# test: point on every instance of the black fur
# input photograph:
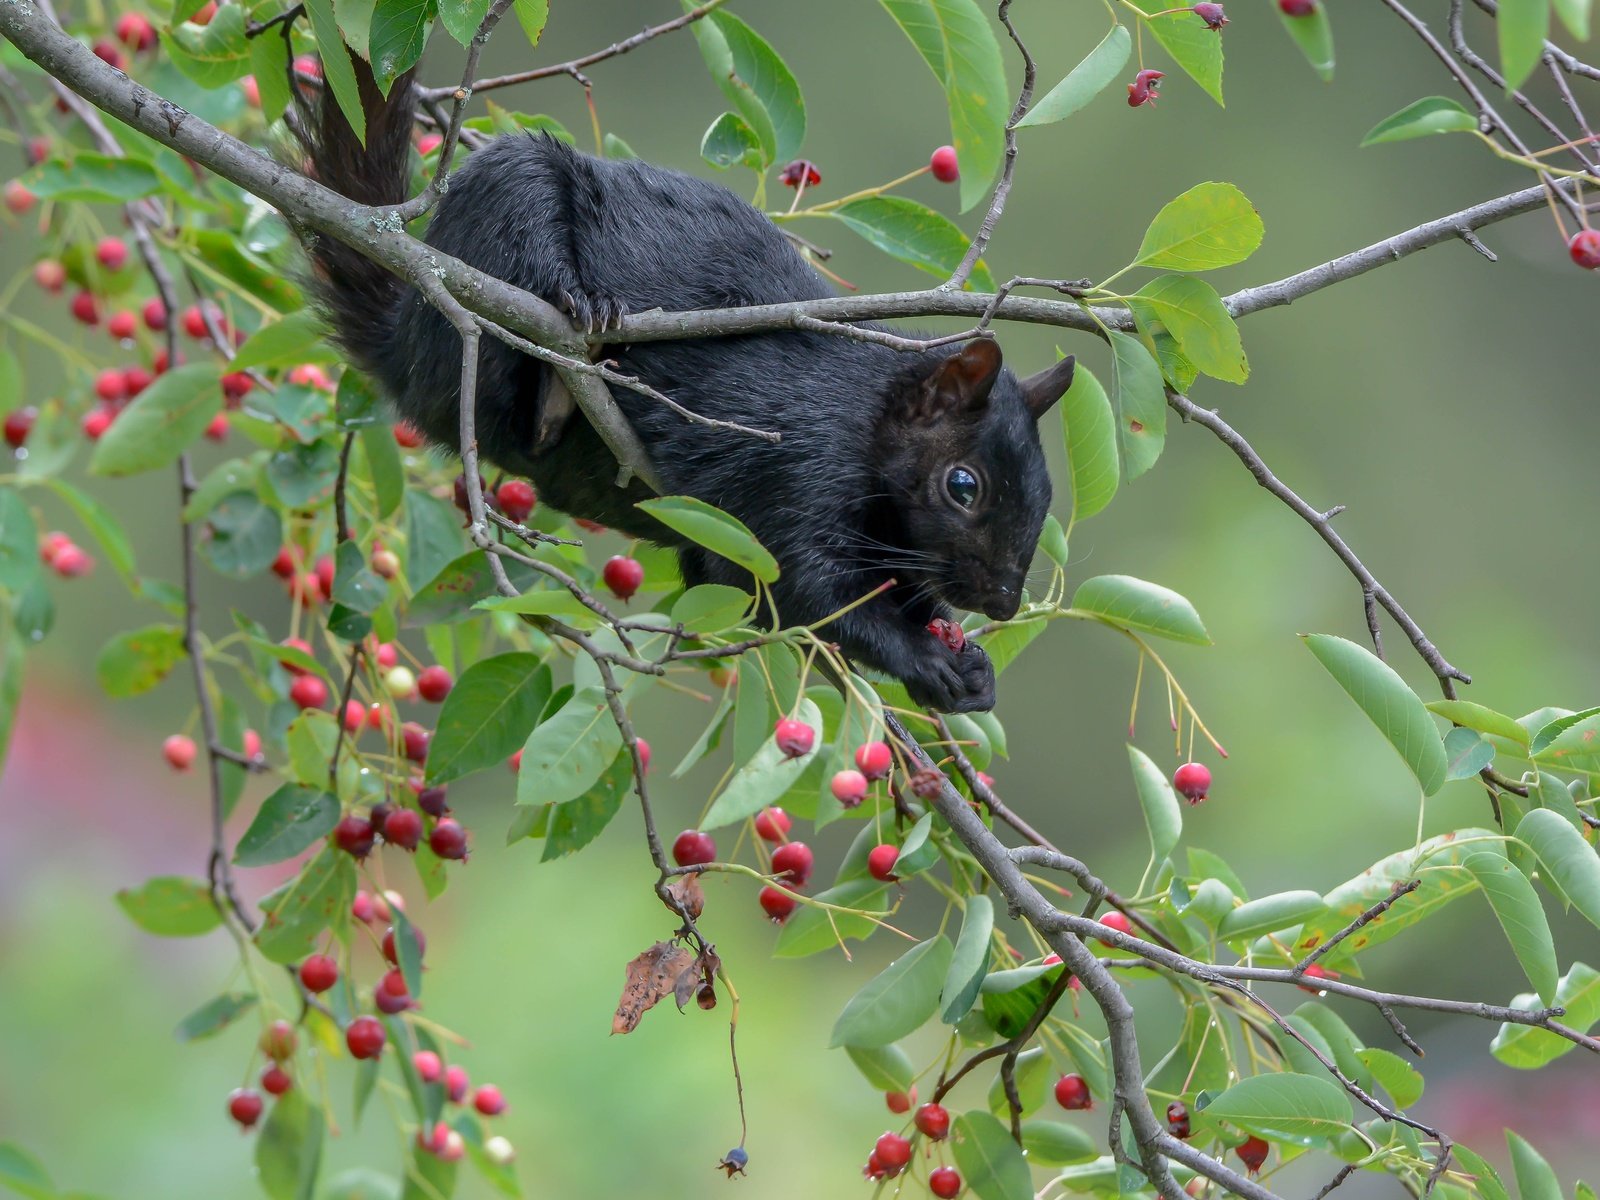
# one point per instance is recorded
(856, 493)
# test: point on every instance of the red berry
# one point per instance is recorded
(874, 760)
(1315, 971)
(416, 740)
(390, 951)
(71, 562)
(217, 429)
(880, 862)
(893, 1151)
(393, 983)
(849, 788)
(85, 308)
(325, 575)
(772, 824)
(623, 576)
(135, 31)
(275, 1080)
(386, 563)
(403, 828)
(434, 684)
(431, 800)
(776, 904)
(110, 386)
(1585, 249)
(155, 315)
(19, 424)
(1178, 1120)
(50, 275)
(791, 862)
(194, 322)
(429, 1068)
(179, 751)
(354, 835)
(448, 840)
(308, 691)
(278, 1041)
(407, 435)
(1118, 921)
(252, 743)
(18, 198)
(1252, 1152)
(1297, 8)
(206, 12)
(1143, 89)
(355, 717)
(38, 150)
(319, 973)
(136, 379)
(1192, 781)
(307, 64)
(794, 738)
(900, 1102)
(312, 376)
(944, 1182)
(644, 754)
(456, 1084)
(874, 1169)
(108, 53)
(691, 848)
(293, 643)
(800, 171)
(122, 324)
(948, 632)
(488, 1100)
(516, 498)
(365, 1037)
(1211, 14)
(944, 165)
(428, 143)
(933, 1121)
(388, 657)
(1072, 1092)
(244, 1106)
(112, 253)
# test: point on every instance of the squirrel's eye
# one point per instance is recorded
(962, 485)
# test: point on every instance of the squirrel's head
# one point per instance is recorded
(960, 453)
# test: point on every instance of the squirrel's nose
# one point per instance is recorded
(1002, 602)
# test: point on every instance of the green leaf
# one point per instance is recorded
(171, 906)
(1271, 913)
(1466, 753)
(294, 916)
(1140, 401)
(729, 142)
(354, 585)
(1085, 81)
(287, 341)
(913, 233)
(1392, 706)
(1536, 1179)
(1526, 1047)
(336, 66)
(1054, 1144)
(1402, 1081)
(1193, 47)
(1287, 1103)
(19, 542)
(532, 15)
(461, 18)
(810, 930)
(1434, 114)
(245, 536)
(1193, 313)
(97, 519)
(615, 147)
(1517, 908)
(576, 823)
(383, 464)
(1053, 538)
(712, 608)
(1574, 15)
(289, 820)
(269, 63)
(95, 178)
(1163, 815)
(1552, 732)
(408, 950)
(214, 54)
(969, 962)
(311, 737)
(160, 423)
(488, 715)
(958, 44)
(1008, 641)
(887, 1068)
(1032, 1080)
(214, 1015)
(917, 853)
(714, 529)
(132, 663)
(1090, 430)
(897, 1001)
(289, 1147)
(1487, 1179)
(992, 1164)
(1313, 33)
(399, 33)
(1136, 604)
(756, 81)
(566, 754)
(1571, 861)
(24, 1174)
(764, 779)
(1211, 225)
(1523, 26)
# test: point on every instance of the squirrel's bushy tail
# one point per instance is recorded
(359, 297)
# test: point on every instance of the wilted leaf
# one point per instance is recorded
(650, 976)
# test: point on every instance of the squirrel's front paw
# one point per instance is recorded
(977, 678)
(953, 681)
(593, 312)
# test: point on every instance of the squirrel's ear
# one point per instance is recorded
(1041, 391)
(958, 386)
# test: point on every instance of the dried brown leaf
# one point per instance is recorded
(688, 894)
(652, 975)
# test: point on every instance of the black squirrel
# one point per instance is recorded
(922, 466)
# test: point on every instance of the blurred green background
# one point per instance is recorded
(1450, 403)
